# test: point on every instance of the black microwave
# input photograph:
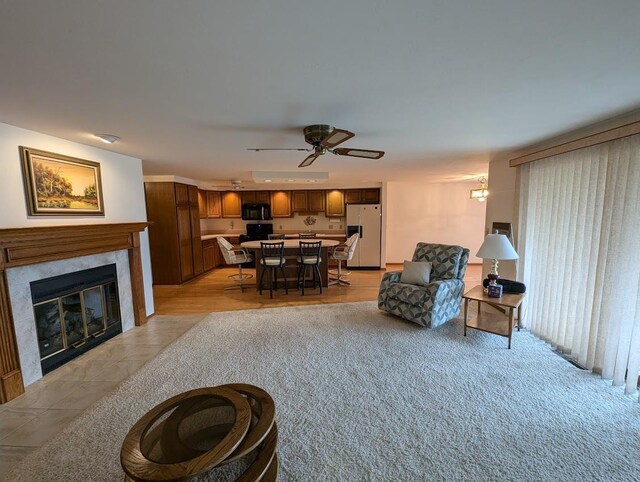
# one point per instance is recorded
(256, 212)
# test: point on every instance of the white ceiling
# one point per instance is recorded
(440, 85)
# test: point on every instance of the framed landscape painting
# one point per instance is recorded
(57, 185)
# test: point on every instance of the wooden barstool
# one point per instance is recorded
(272, 256)
(309, 257)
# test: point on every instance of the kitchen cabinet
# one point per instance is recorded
(316, 201)
(214, 204)
(231, 204)
(334, 206)
(196, 242)
(202, 203)
(281, 204)
(356, 196)
(174, 233)
(299, 202)
(255, 197)
(371, 196)
(211, 255)
(307, 201)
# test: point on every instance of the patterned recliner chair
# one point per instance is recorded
(440, 300)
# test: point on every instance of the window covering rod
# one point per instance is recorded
(626, 130)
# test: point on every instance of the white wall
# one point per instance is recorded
(122, 185)
(434, 213)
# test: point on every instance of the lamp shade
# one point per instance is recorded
(497, 246)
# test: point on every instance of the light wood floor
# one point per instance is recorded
(54, 401)
(207, 294)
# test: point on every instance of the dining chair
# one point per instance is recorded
(237, 256)
(272, 258)
(276, 236)
(307, 235)
(309, 257)
(343, 252)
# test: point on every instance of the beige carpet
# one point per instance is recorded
(364, 396)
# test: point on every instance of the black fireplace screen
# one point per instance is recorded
(74, 313)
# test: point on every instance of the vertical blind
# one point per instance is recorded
(579, 242)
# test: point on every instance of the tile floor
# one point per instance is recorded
(52, 402)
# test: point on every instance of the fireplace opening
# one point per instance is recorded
(74, 313)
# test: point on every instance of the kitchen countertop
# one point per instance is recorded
(318, 235)
(205, 237)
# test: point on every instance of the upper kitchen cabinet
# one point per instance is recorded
(334, 203)
(371, 196)
(231, 204)
(255, 197)
(307, 201)
(281, 204)
(299, 202)
(354, 196)
(316, 201)
(214, 204)
(202, 203)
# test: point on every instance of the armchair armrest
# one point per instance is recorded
(339, 248)
(441, 288)
(388, 279)
(391, 277)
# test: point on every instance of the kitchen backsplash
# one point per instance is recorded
(295, 223)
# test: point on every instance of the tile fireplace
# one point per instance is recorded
(75, 318)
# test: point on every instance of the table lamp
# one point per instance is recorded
(496, 247)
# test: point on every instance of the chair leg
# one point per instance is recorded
(241, 279)
(284, 277)
(317, 270)
(264, 268)
(298, 280)
(338, 273)
(304, 275)
(271, 284)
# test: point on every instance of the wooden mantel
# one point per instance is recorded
(24, 246)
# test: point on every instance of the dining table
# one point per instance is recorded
(291, 252)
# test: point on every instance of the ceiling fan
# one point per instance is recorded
(325, 138)
(235, 184)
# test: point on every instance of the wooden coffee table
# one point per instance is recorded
(496, 323)
(196, 431)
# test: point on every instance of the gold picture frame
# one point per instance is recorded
(57, 185)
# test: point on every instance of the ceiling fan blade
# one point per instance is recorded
(257, 149)
(309, 160)
(359, 153)
(337, 136)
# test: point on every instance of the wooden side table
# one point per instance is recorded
(496, 323)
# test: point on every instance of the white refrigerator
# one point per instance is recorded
(366, 220)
